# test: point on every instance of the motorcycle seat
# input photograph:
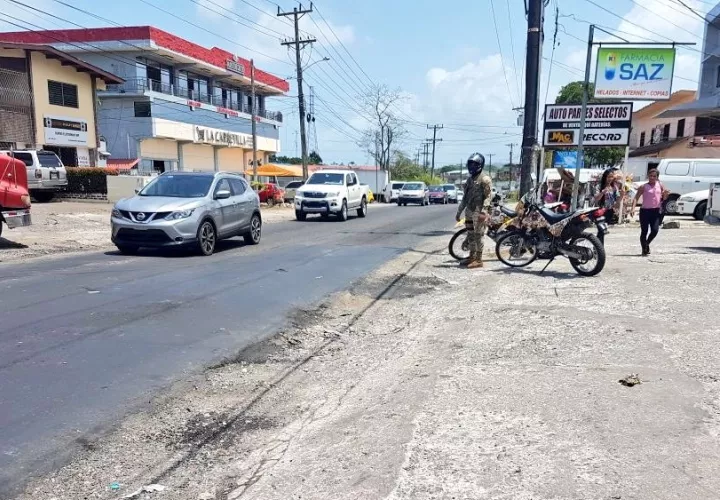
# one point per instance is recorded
(508, 212)
(552, 217)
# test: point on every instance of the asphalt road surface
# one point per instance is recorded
(88, 338)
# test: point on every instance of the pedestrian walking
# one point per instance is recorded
(609, 196)
(476, 204)
(651, 215)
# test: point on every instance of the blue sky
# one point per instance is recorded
(444, 56)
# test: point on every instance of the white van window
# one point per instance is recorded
(707, 169)
(678, 168)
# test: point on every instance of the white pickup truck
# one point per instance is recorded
(331, 192)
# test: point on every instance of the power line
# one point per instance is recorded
(502, 59)
(512, 48)
(681, 2)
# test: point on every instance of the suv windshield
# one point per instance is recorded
(330, 179)
(49, 160)
(398, 185)
(413, 186)
(448, 187)
(436, 189)
(179, 186)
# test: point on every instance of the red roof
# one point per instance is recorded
(215, 56)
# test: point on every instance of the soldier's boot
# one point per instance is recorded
(476, 264)
(465, 262)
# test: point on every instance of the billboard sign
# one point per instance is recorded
(565, 159)
(605, 125)
(638, 73)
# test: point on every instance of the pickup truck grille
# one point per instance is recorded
(314, 194)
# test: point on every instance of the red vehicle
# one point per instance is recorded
(270, 193)
(14, 195)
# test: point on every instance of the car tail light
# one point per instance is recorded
(38, 173)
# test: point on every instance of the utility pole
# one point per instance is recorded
(426, 153)
(490, 166)
(297, 13)
(434, 140)
(535, 14)
(253, 111)
(511, 146)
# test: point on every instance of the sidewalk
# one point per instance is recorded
(431, 382)
(76, 226)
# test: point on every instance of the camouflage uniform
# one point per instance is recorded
(476, 200)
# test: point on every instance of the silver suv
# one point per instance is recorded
(187, 209)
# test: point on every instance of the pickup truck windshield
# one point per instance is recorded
(328, 179)
(179, 186)
(412, 187)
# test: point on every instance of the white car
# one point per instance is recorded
(414, 192)
(46, 174)
(331, 192)
(392, 190)
(452, 192)
(694, 204)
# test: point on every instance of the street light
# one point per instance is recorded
(310, 66)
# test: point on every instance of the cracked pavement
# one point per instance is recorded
(424, 381)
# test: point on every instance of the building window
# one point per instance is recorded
(142, 109)
(681, 128)
(63, 94)
(642, 139)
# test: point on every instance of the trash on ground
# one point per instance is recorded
(673, 224)
(631, 380)
(114, 486)
(150, 488)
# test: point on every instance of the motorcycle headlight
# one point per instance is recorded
(180, 214)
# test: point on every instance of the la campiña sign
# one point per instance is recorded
(634, 73)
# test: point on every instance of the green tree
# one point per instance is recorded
(314, 158)
(572, 93)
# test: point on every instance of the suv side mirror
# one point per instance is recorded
(223, 194)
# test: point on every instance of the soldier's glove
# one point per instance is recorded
(457, 217)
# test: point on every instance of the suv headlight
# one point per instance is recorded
(180, 214)
(687, 198)
(334, 194)
(116, 213)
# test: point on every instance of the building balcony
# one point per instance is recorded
(141, 86)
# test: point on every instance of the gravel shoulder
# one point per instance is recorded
(424, 381)
(71, 226)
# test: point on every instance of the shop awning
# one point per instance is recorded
(122, 163)
(274, 170)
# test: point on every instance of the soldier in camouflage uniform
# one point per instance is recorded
(476, 204)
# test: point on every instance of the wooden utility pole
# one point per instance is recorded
(434, 140)
(535, 13)
(297, 14)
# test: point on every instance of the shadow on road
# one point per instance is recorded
(714, 250)
(7, 244)
(180, 252)
(548, 272)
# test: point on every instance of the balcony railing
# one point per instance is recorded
(142, 85)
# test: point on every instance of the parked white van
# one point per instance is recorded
(683, 176)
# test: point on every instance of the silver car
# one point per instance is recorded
(187, 209)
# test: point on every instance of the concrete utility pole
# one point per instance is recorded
(297, 14)
(253, 111)
(434, 140)
(535, 14)
(512, 147)
(490, 165)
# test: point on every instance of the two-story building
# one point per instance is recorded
(47, 101)
(662, 137)
(181, 106)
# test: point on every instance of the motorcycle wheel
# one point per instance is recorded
(458, 246)
(595, 264)
(515, 250)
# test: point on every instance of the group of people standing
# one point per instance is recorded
(610, 195)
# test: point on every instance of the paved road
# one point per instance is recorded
(87, 338)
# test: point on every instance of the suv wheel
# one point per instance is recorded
(300, 215)
(127, 249)
(207, 238)
(43, 196)
(253, 237)
(343, 215)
